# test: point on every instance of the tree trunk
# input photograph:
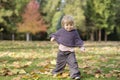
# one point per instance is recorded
(1, 36)
(99, 35)
(96, 35)
(92, 36)
(105, 36)
(27, 36)
(13, 36)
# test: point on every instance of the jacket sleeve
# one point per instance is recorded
(56, 34)
(78, 40)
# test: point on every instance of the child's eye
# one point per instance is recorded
(67, 25)
(71, 25)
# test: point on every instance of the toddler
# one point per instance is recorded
(68, 38)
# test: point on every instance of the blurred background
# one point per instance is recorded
(33, 20)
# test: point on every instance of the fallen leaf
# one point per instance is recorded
(17, 78)
(15, 71)
(65, 75)
(98, 72)
(108, 75)
(22, 71)
(97, 75)
(16, 64)
(53, 62)
(6, 71)
(35, 76)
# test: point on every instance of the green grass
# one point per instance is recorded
(35, 60)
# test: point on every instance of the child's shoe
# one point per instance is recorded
(76, 78)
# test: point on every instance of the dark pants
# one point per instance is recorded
(63, 58)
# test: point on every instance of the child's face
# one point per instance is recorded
(68, 27)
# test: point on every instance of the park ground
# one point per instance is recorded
(34, 60)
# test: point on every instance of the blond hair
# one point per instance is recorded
(67, 19)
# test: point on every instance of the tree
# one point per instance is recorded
(9, 14)
(55, 22)
(102, 15)
(90, 14)
(32, 20)
(117, 18)
(4, 13)
(50, 11)
(106, 17)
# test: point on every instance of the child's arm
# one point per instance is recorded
(79, 42)
(55, 36)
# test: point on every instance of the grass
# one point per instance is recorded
(20, 60)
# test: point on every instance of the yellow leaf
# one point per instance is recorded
(22, 71)
(17, 78)
(64, 75)
(35, 76)
(57, 75)
(16, 64)
(53, 62)
(15, 71)
(97, 75)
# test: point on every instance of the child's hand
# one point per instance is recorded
(82, 49)
(52, 39)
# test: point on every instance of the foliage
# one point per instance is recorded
(55, 22)
(49, 8)
(106, 14)
(32, 20)
(51, 14)
(100, 14)
(117, 21)
(9, 13)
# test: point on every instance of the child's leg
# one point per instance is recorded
(73, 65)
(61, 62)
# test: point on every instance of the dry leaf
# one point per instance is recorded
(35, 76)
(65, 75)
(16, 64)
(15, 71)
(108, 75)
(97, 75)
(57, 75)
(22, 71)
(98, 72)
(53, 62)
(17, 78)
(6, 71)
(26, 76)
